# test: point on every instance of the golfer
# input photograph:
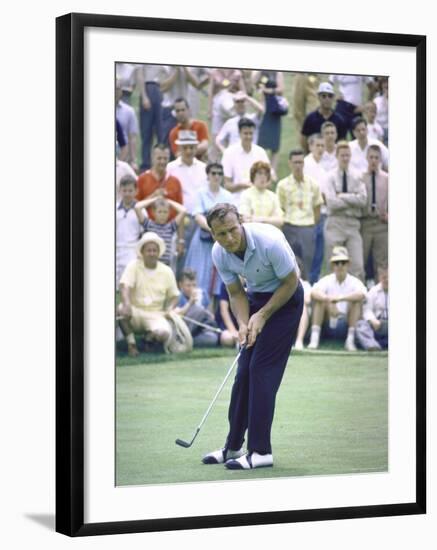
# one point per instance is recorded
(268, 316)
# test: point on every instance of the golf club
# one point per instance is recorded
(190, 320)
(185, 444)
(203, 325)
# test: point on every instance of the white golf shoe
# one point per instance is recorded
(250, 461)
(221, 456)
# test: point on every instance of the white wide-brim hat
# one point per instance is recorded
(150, 237)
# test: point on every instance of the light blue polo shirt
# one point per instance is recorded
(267, 260)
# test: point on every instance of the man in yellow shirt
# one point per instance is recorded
(300, 198)
(148, 292)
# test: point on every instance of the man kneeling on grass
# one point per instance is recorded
(337, 302)
(148, 292)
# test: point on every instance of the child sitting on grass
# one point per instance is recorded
(193, 305)
(161, 226)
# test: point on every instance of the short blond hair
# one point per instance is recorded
(343, 144)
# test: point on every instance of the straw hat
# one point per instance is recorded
(150, 237)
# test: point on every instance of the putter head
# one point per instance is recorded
(182, 443)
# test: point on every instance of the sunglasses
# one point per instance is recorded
(326, 95)
(216, 173)
(340, 262)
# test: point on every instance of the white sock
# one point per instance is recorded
(315, 335)
(351, 334)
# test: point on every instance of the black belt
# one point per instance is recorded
(152, 82)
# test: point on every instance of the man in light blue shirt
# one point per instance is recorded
(268, 316)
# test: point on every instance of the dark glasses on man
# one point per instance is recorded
(340, 262)
(213, 173)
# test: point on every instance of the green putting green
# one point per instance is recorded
(331, 416)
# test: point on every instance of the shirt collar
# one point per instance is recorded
(250, 245)
(122, 207)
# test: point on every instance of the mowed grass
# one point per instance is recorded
(331, 418)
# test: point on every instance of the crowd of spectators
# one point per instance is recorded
(331, 203)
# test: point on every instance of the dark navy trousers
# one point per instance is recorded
(259, 375)
(150, 123)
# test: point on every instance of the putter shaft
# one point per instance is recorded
(183, 443)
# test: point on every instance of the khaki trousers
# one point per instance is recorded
(375, 239)
(345, 231)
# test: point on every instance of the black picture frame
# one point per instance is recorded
(70, 241)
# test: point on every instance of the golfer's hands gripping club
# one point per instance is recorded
(248, 334)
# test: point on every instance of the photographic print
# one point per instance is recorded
(239, 208)
(277, 146)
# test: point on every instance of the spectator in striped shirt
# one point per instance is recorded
(161, 225)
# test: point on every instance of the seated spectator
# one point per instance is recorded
(161, 224)
(127, 228)
(337, 301)
(186, 122)
(372, 331)
(192, 306)
(224, 317)
(148, 293)
(374, 129)
(258, 203)
(306, 312)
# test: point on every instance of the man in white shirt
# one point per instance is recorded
(360, 145)
(191, 172)
(314, 168)
(337, 301)
(329, 157)
(372, 330)
(238, 159)
(175, 86)
(128, 120)
(229, 133)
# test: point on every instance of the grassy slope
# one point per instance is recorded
(331, 418)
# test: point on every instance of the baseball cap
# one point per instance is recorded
(325, 88)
